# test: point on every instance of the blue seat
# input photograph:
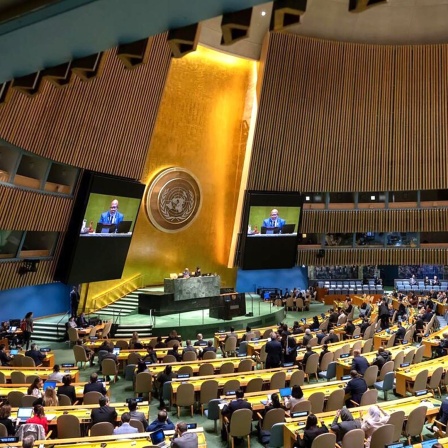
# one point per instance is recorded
(129, 372)
(276, 440)
(212, 411)
(387, 384)
(330, 373)
(242, 349)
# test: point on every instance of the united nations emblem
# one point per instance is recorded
(173, 200)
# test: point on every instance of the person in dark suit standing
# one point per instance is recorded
(74, 301)
(383, 313)
(273, 352)
(94, 385)
(234, 405)
(400, 333)
(112, 216)
(104, 413)
(355, 388)
(359, 364)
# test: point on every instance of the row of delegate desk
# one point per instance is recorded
(292, 427)
(138, 440)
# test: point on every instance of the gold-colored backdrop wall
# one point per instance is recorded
(200, 128)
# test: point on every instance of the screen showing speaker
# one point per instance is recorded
(271, 222)
(100, 230)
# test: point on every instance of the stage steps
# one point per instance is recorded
(48, 331)
(122, 307)
(125, 331)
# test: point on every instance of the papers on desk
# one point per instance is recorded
(50, 417)
(222, 404)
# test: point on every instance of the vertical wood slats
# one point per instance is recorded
(9, 278)
(30, 210)
(350, 117)
(361, 257)
(104, 124)
(349, 221)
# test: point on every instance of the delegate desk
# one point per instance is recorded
(256, 399)
(79, 388)
(41, 372)
(155, 369)
(243, 378)
(381, 338)
(88, 330)
(409, 373)
(331, 347)
(431, 342)
(48, 361)
(403, 404)
(83, 412)
(135, 440)
(221, 336)
(343, 365)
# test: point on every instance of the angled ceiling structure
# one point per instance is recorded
(37, 34)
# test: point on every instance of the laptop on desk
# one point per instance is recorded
(288, 228)
(24, 413)
(124, 226)
(158, 439)
(270, 230)
(105, 228)
(48, 384)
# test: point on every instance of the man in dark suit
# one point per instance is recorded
(234, 405)
(274, 220)
(209, 348)
(359, 364)
(355, 388)
(82, 322)
(36, 354)
(74, 301)
(273, 352)
(308, 353)
(94, 385)
(104, 413)
(349, 329)
(400, 333)
(113, 216)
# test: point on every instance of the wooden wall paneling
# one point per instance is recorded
(339, 221)
(104, 124)
(372, 118)
(22, 209)
(373, 257)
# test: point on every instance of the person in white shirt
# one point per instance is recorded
(57, 375)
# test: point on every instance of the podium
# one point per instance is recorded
(226, 306)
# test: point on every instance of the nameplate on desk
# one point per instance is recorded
(9, 439)
(345, 377)
(299, 414)
(136, 399)
(344, 355)
(405, 364)
(419, 393)
(68, 365)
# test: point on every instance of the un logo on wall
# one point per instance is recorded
(173, 200)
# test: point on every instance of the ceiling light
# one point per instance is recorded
(372, 198)
(263, 13)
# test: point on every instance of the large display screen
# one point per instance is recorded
(271, 222)
(100, 230)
